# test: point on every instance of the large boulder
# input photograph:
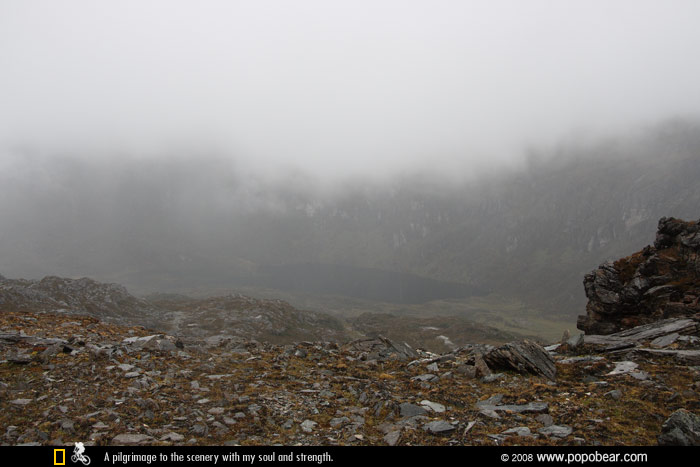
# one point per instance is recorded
(524, 357)
(660, 281)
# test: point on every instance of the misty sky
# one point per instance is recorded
(339, 87)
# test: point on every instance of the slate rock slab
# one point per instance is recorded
(439, 427)
(524, 357)
(556, 431)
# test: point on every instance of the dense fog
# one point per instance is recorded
(489, 147)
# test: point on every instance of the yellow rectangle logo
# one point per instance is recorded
(56, 456)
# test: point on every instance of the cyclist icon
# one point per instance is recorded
(78, 454)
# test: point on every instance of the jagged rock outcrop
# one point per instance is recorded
(223, 319)
(523, 357)
(681, 429)
(111, 302)
(661, 281)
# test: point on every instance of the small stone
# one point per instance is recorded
(130, 439)
(336, 422)
(433, 367)
(482, 369)
(640, 375)
(21, 402)
(174, 437)
(565, 337)
(615, 394)
(664, 341)
(622, 368)
(470, 425)
(545, 419)
(492, 377)
(67, 425)
(556, 431)
(439, 427)
(408, 410)
(425, 377)
(518, 431)
(490, 413)
(575, 341)
(392, 438)
(308, 426)
(493, 400)
(434, 406)
(468, 371)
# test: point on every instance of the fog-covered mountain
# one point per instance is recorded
(530, 233)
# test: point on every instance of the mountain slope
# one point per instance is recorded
(529, 233)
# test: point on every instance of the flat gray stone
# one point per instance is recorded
(686, 357)
(651, 331)
(490, 413)
(584, 359)
(336, 422)
(21, 402)
(434, 406)
(424, 377)
(575, 341)
(664, 341)
(129, 439)
(408, 410)
(492, 377)
(439, 427)
(518, 431)
(545, 419)
(308, 426)
(392, 438)
(556, 431)
(172, 436)
(530, 407)
(622, 368)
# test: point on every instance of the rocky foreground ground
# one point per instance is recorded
(67, 378)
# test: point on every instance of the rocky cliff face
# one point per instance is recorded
(661, 281)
